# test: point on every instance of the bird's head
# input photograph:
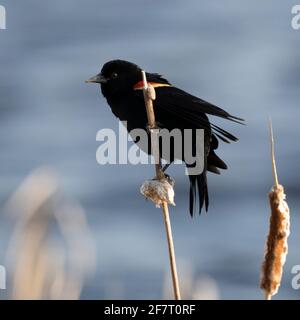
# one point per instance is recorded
(117, 77)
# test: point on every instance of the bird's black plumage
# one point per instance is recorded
(174, 108)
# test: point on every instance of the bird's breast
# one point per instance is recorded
(131, 110)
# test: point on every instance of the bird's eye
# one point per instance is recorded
(114, 75)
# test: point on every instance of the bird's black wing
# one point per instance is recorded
(175, 105)
(192, 109)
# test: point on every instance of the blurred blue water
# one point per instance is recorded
(241, 56)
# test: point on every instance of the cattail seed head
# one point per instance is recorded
(276, 246)
(158, 191)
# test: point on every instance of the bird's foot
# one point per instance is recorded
(157, 126)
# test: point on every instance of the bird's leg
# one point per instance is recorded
(160, 174)
(165, 167)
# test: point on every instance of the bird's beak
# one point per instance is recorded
(97, 79)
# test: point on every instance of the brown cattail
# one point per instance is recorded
(276, 246)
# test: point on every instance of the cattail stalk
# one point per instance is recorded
(149, 96)
(276, 246)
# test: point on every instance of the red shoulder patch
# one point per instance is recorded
(140, 85)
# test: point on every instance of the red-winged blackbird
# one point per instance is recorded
(174, 108)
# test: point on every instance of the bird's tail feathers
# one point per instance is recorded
(198, 184)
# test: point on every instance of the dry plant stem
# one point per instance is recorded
(171, 251)
(149, 96)
(273, 155)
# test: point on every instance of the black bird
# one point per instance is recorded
(121, 82)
